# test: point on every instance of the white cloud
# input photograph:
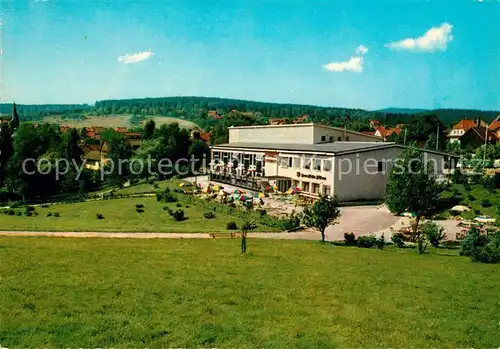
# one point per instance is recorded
(355, 64)
(135, 57)
(361, 50)
(436, 38)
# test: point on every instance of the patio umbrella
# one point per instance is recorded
(239, 191)
(260, 195)
(244, 198)
(206, 190)
(485, 219)
(223, 193)
(293, 190)
(460, 208)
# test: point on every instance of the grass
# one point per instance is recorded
(479, 193)
(113, 121)
(120, 215)
(104, 293)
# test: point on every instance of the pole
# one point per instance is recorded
(437, 140)
(404, 142)
(485, 144)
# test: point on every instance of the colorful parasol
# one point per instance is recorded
(294, 190)
(239, 191)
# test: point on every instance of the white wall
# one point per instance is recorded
(300, 134)
(272, 134)
(363, 181)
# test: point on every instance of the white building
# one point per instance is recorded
(320, 160)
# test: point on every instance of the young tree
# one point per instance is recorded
(321, 214)
(413, 187)
(245, 228)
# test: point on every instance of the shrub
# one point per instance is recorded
(471, 197)
(209, 215)
(29, 209)
(155, 186)
(178, 205)
(486, 203)
(467, 186)
(14, 204)
(397, 239)
(139, 210)
(56, 214)
(45, 206)
(139, 206)
(178, 215)
(19, 213)
(165, 208)
(49, 214)
(477, 211)
(291, 222)
(231, 226)
(483, 248)
(380, 242)
(166, 196)
(434, 233)
(350, 239)
(99, 216)
(367, 241)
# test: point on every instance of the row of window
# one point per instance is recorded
(306, 163)
(313, 188)
(323, 138)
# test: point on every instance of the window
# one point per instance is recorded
(327, 190)
(307, 163)
(305, 186)
(295, 183)
(327, 165)
(323, 138)
(347, 138)
(339, 138)
(317, 164)
(315, 188)
(331, 138)
(380, 166)
(285, 162)
(296, 162)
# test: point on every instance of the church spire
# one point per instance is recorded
(14, 121)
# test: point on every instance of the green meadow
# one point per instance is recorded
(82, 293)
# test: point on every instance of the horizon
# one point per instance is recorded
(348, 55)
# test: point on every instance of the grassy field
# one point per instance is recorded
(474, 198)
(120, 216)
(115, 121)
(102, 293)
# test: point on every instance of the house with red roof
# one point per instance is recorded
(495, 126)
(301, 119)
(386, 132)
(277, 121)
(462, 127)
(477, 136)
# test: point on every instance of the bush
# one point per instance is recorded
(49, 214)
(467, 186)
(350, 239)
(166, 196)
(178, 215)
(486, 203)
(155, 186)
(291, 222)
(99, 216)
(178, 205)
(471, 197)
(483, 248)
(56, 214)
(19, 213)
(380, 243)
(477, 212)
(367, 241)
(398, 240)
(139, 206)
(45, 206)
(209, 215)
(231, 226)
(139, 210)
(434, 233)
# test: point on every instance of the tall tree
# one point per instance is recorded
(321, 214)
(413, 187)
(149, 129)
(5, 150)
(72, 150)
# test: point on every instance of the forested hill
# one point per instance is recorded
(196, 109)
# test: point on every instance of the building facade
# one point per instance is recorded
(319, 160)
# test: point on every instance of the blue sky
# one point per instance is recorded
(419, 54)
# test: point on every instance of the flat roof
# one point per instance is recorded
(337, 148)
(307, 125)
(330, 148)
